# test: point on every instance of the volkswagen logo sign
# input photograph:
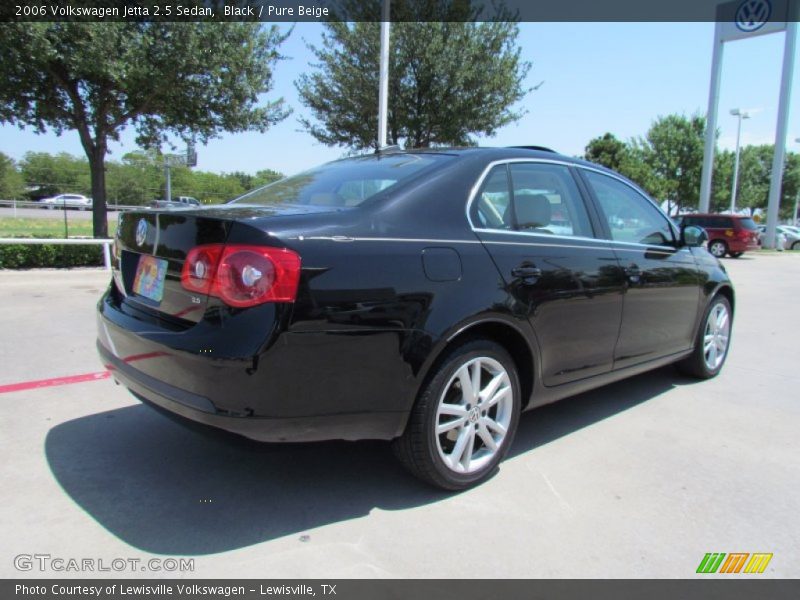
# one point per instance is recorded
(141, 232)
(752, 15)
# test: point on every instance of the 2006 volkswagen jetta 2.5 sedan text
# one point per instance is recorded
(423, 297)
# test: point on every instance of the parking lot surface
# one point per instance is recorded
(641, 478)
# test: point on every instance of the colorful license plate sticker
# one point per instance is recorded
(150, 275)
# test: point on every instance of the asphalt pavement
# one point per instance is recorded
(641, 478)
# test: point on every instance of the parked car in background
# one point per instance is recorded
(176, 202)
(67, 201)
(791, 235)
(424, 297)
(727, 234)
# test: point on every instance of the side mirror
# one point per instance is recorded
(693, 236)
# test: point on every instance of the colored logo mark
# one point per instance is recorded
(735, 562)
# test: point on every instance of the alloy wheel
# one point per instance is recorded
(716, 336)
(474, 414)
(717, 249)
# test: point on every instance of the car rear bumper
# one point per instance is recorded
(195, 408)
(297, 387)
(735, 245)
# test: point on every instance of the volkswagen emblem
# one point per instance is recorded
(752, 15)
(141, 232)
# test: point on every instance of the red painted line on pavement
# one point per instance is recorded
(43, 383)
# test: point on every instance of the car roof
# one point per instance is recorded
(492, 154)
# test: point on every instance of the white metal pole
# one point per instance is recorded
(711, 122)
(736, 164)
(168, 185)
(383, 91)
(780, 133)
(107, 256)
(796, 197)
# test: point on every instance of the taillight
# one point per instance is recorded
(200, 267)
(242, 276)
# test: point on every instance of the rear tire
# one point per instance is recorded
(718, 248)
(712, 341)
(464, 419)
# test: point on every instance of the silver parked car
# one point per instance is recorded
(68, 201)
(789, 233)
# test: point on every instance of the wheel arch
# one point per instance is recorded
(498, 330)
(727, 292)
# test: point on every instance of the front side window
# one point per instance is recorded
(630, 216)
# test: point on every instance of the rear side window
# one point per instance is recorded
(546, 200)
(532, 198)
(720, 222)
(491, 208)
(748, 224)
(630, 215)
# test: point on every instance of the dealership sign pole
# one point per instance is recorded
(383, 91)
(738, 20)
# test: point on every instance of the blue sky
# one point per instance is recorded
(597, 77)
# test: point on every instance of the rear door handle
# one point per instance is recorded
(526, 272)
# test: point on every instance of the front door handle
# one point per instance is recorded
(526, 272)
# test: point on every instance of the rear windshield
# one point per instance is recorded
(344, 183)
(748, 224)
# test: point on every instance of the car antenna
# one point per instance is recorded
(388, 149)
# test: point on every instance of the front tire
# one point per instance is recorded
(718, 248)
(464, 419)
(712, 342)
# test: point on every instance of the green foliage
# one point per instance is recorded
(193, 80)
(667, 162)
(51, 174)
(24, 256)
(447, 80)
(11, 182)
(608, 151)
(673, 147)
(135, 180)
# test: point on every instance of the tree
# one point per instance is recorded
(50, 174)
(448, 80)
(673, 148)
(11, 182)
(608, 151)
(629, 159)
(192, 80)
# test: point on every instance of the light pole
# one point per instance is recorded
(741, 115)
(383, 87)
(796, 196)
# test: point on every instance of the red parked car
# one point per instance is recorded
(727, 234)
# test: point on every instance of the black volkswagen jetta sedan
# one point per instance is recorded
(422, 297)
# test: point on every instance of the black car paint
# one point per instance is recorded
(386, 288)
